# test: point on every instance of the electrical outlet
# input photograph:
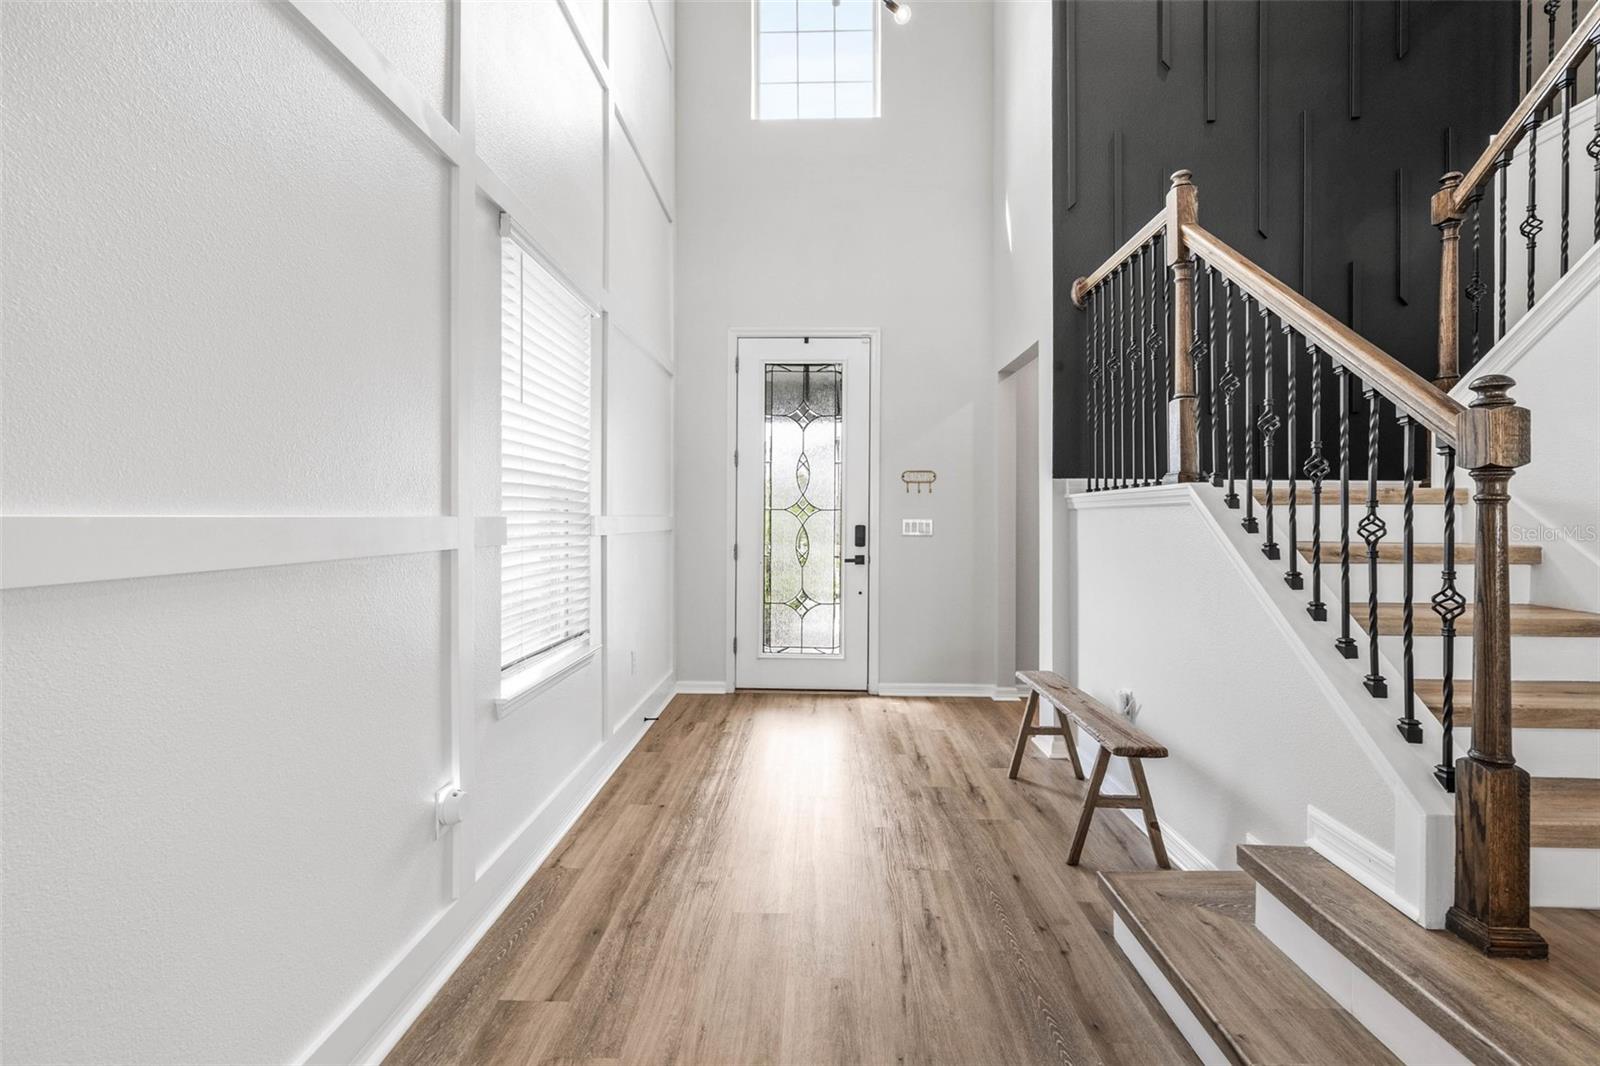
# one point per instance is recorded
(633, 663)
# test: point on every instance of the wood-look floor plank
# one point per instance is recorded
(793, 877)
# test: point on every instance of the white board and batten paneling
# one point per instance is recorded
(251, 498)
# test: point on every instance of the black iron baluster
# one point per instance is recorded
(1229, 384)
(1316, 469)
(1532, 224)
(1115, 356)
(1372, 529)
(1216, 358)
(1249, 522)
(1449, 604)
(1408, 725)
(1267, 424)
(1093, 331)
(1136, 358)
(1593, 147)
(1292, 401)
(1474, 289)
(1158, 379)
(1502, 175)
(1527, 33)
(1198, 349)
(1346, 644)
(1569, 91)
(1088, 374)
(1550, 9)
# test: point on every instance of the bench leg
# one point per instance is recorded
(1070, 736)
(1091, 799)
(1142, 789)
(1023, 732)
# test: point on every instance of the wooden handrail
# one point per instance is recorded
(1586, 36)
(1081, 287)
(1396, 382)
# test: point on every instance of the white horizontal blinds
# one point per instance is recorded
(544, 460)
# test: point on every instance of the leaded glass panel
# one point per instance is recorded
(803, 545)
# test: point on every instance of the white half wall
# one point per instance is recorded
(251, 271)
(880, 223)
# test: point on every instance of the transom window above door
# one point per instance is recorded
(816, 59)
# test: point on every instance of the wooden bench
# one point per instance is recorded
(1115, 735)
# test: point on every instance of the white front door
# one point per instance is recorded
(800, 597)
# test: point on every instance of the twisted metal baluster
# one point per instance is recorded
(1449, 604)
(1569, 91)
(1408, 725)
(1550, 9)
(1292, 578)
(1345, 643)
(1502, 174)
(1474, 290)
(1593, 147)
(1372, 529)
(1114, 357)
(1211, 344)
(1093, 340)
(1527, 32)
(1250, 525)
(1268, 425)
(1316, 469)
(1229, 383)
(1197, 358)
(1532, 224)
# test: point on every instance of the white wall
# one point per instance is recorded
(875, 223)
(251, 269)
(1023, 333)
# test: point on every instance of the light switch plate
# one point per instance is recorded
(916, 527)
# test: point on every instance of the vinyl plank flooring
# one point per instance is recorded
(795, 877)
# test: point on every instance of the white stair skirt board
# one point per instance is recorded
(382, 1012)
(1204, 1047)
(1383, 1016)
(1565, 877)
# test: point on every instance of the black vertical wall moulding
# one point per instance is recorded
(1260, 106)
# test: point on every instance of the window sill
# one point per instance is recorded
(524, 686)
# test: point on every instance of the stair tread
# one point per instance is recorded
(1527, 620)
(1566, 812)
(1388, 492)
(1534, 704)
(1254, 1002)
(1393, 552)
(1492, 1010)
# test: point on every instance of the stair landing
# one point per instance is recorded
(1492, 1010)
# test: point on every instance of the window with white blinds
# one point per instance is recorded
(545, 472)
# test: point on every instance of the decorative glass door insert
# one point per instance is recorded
(802, 535)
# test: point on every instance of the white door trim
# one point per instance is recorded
(874, 494)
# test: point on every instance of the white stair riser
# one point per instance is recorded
(1532, 658)
(1565, 877)
(1427, 578)
(1549, 752)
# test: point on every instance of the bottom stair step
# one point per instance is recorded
(1255, 1004)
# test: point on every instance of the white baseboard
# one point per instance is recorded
(915, 689)
(1357, 856)
(381, 1014)
(703, 688)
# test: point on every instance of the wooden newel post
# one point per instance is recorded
(1492, 791)
(1447, 217)
(1183, 440)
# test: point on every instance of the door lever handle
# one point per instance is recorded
(858, 560)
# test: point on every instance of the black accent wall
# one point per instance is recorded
(1316, 130)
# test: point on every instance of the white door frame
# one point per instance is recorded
(874, 450)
